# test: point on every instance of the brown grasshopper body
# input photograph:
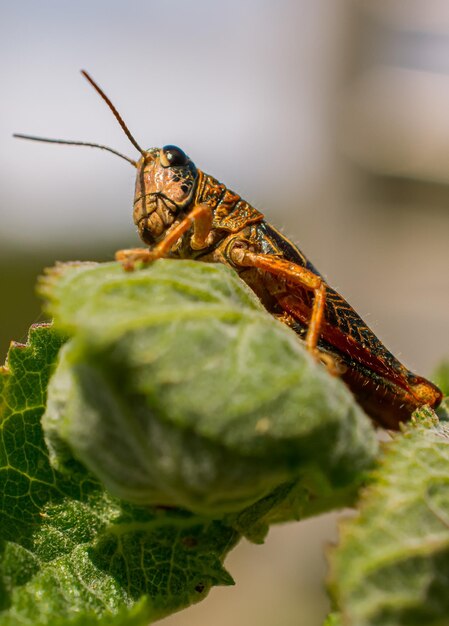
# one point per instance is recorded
(181, 212)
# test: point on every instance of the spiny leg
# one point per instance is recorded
(313, 333)
(298, 275)
(316, 318)
(200, 217)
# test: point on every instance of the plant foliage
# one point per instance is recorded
(180, 416)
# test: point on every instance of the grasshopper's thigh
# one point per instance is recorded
(296, 275)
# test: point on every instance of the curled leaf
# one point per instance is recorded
(173, 351)
(178, 389)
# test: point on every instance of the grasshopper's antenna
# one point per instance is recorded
(76, 143)
(117, 115)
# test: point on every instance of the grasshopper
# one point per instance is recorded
(182, 212)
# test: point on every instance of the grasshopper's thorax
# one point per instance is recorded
(165, 185)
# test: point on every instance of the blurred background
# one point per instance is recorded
(331, 116)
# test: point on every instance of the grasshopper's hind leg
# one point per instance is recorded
(298, 275)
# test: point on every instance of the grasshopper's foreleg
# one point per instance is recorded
(298, 275)
(200, 217)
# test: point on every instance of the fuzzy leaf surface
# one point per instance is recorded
(392, 565)
(179, 368)
(187, 349)
(70, 552)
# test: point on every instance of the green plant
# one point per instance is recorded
(161, 418)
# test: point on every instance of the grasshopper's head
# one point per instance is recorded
(166, 178)
(165, 184)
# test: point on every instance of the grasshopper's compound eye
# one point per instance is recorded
(172, 156)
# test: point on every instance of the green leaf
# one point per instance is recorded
(86, 556)
(179, 368)
(174, 383)
(392, 565)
